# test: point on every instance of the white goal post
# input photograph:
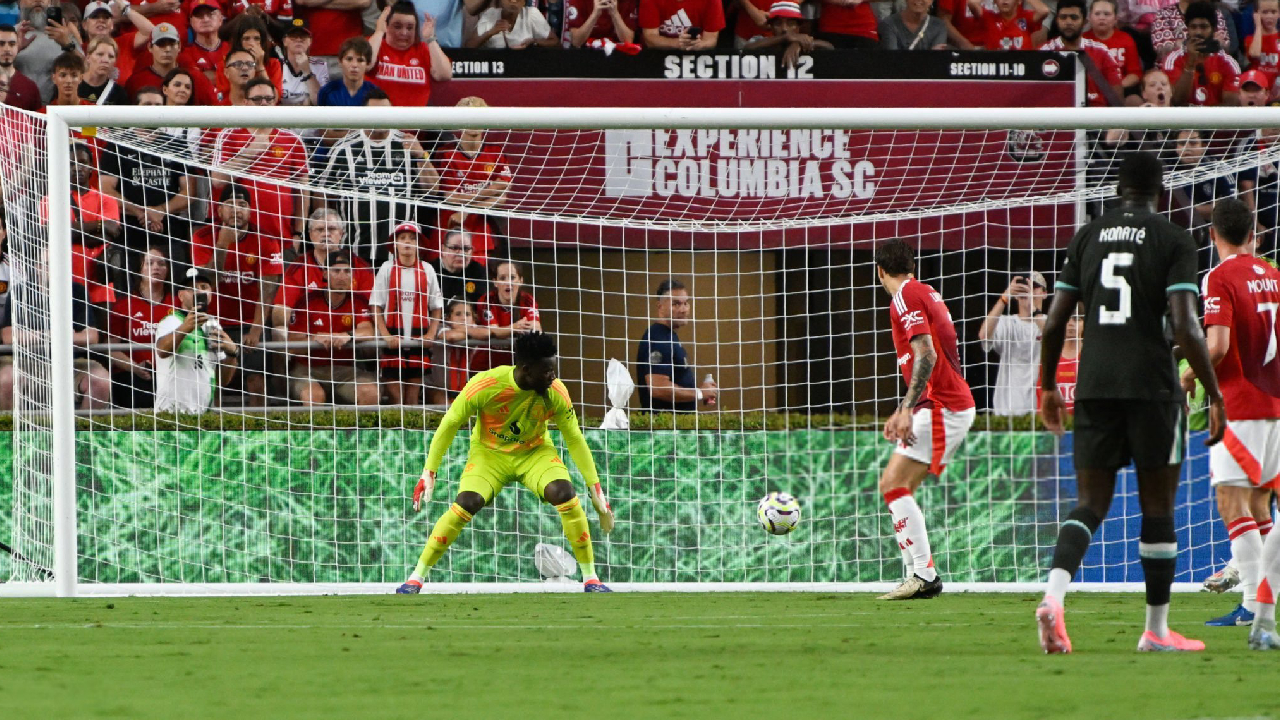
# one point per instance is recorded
(56, 411)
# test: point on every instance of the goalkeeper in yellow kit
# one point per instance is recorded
(511, 442)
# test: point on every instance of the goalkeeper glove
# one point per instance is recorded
(423, 489)
(601, 504)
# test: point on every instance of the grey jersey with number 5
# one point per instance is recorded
(1124, 265)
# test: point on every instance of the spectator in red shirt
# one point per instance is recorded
(237, 73)
(461, 360)
(327, 234)
(249, 32)
(614, 20)
(1201, 72)
(752, 22)
(333, 22)
(1255, 90)
(681, 24)
(1263, 46)
(1120, 44)
(262, 155)
(508, 309)
(16, 90)
(1169, 30)
(101, 21)
(248, 267)
(964, 31)
(849, 25)
(1012, 27)
(784, 31)
(133, 319)
(333, 318)
(1069, 20)
(207, 52)
(406, 65)
(164, 58)
(163, 11)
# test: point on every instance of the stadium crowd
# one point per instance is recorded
(377, 304)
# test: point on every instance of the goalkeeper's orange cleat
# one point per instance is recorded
(1053, 627)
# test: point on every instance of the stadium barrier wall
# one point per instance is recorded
(331, 507)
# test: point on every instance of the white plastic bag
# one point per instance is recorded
(618, 379)
(554, 563)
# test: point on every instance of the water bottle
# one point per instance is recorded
(709, 399)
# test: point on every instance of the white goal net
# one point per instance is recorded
(283, 455)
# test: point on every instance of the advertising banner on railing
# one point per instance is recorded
(766, 188)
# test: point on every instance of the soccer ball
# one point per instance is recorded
(779, 513)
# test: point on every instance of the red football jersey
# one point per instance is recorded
(856, 20)
(1221, 74)
(321, 318)
(916, 310)
(963, 20)
(177, 19)
(237, 298)
(493, 313)
(284, 159)
(196, 58)
(1243, 294)
(1123, 50)
(405, 75)
(134, 319)
(1008, 34)
(304, 277)
(331, 28)
(671, 17)
(1269, 61)
(460, 171)
(1102, 60)
(577, 12)
(1068, 371)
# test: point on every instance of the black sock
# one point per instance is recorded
(1158, 550)
(1074, 537)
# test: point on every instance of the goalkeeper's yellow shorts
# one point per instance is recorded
(487, 472)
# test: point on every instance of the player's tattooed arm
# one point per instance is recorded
(925, 358)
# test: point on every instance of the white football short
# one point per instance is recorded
(1248, 456)
(939, 433)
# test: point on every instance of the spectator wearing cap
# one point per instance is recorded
(164, 58)
(98, 86)
(302, 74)
(784, 29)
(332, 318)
(247, 265)
(16, 90)
(132, 42)
(326, 234)
(407, 62)
(1255, 89)
(680, 25)
(1202, 73)
(848, 25)
(512, 25)
(460, 276)
(333, 22)
(263, 156)
(407, 305)
(350, 88)
(1016, 339)
(1069, 20)
(1169, 29)
(194, 356)
(913, 28)
(41, 41)
(665, 379)
(207, 51)
(1263, 47)
(614, 20)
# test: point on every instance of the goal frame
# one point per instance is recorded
(61, 119)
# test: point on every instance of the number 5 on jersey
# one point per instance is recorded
(1110, 279)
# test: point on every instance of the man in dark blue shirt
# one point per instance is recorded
(666, 380)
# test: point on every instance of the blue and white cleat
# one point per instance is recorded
(1240, 617)
(412, 587)
(1263, 639)
(595, 586)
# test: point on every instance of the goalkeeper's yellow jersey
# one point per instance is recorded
(511, 420)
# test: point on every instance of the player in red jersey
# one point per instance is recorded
(406, 63)
(1120, 44)
(933, 417)
(1012, 26)
(1201, 73)
(1263, 46)
(1241, 304)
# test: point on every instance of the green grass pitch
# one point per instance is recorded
(614, 656)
